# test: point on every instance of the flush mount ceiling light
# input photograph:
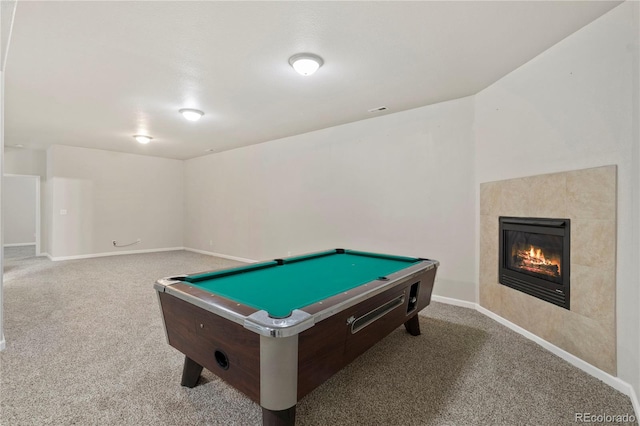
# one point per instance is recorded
(143, 139)
(191, 114)
(306, 63)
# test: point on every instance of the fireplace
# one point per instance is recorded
(534, 257)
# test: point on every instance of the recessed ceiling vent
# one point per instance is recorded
(380, 108)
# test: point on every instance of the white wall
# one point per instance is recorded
(111, 196)
(22, 161)
(19, 209)
(400, 183)
(571, 108)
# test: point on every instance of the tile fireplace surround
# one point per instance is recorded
(588, 198)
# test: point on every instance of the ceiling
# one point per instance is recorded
(93, 74)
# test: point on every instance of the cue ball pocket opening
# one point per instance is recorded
(221, 359)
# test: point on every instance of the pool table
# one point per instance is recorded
(276, 330)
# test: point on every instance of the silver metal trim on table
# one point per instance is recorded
(376, 313)
(278, 372)
(261, 323)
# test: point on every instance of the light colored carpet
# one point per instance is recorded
(86, 346)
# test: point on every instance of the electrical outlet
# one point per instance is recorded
(211, 242)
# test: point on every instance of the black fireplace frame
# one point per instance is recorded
(558, 294)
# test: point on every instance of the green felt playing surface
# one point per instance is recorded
(279, 289)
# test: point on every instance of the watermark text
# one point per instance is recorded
(604, 418)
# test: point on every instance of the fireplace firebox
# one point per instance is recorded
(534, 257)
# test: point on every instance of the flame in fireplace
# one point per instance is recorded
(534, 260)
(537, 255)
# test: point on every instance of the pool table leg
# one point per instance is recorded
(413, 325)
(279, 418)
(190, 372)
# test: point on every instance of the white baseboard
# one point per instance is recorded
(111, 253)
(3, 344)
(224, 256)
(116, 253)
(615, 382)
(455, 302)
(20, 244)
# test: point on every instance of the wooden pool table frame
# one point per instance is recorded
(277, 361)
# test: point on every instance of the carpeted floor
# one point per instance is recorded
(86, 346)
(19, 252)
